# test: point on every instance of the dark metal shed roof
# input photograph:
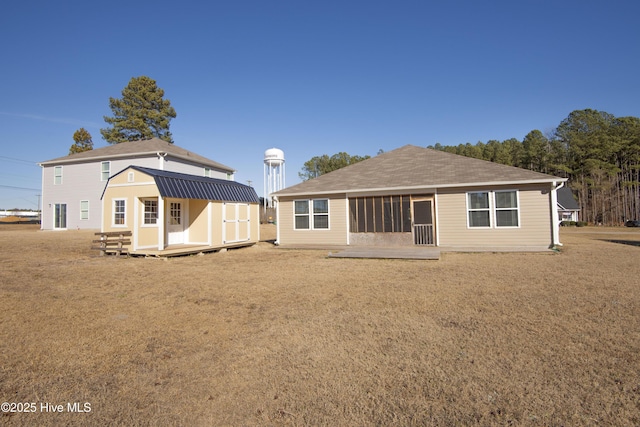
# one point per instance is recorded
(184, 186)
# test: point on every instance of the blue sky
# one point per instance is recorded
(308, 77)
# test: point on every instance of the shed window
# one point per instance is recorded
(150, 212)
(119, 212)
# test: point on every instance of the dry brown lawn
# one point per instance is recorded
(267, 336)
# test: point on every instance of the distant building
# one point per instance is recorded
(72, 185)
(568, 209)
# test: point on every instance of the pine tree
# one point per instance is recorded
(141, 113)
(83, 141)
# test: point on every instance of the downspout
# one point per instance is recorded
(277, 242)
(161, 157)
(554, 214)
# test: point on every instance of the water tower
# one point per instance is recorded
(273, 174)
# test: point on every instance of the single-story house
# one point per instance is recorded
(421, 196)
(72, 185)
(168, 212)
(568, 209)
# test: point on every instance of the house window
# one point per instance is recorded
(84, 209)
(150, 212)
(321, 214)
(486, 209)
(311, 214)
(207, 172)
(105, 171)
(479, 212)
(57, 175)
(506, 208)
(119, 212)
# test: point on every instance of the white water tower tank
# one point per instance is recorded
(273, 174)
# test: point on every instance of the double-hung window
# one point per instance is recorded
(493, 209)
(150, 212)
(311, 214)
(506, 208)
(84, 209)
(119, 212)
(57, 175)
(105, 171)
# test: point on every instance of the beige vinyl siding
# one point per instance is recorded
(134, 193)
(197, 221)
(535, 228)
(335, 235)
(216, 224)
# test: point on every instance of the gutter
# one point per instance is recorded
(555, 221)
(277, 242)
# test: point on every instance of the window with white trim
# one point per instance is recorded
(507, 208)
(119, 212)
(493, 209)
(207, 172)
(84, 209)
(150, 212)
(479, 212)
(57, 175)
(311, 214)
(105, 171)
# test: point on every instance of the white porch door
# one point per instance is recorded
(175, 224)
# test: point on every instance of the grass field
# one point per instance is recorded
(266, 336)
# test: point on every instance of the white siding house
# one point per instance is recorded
(72, 185)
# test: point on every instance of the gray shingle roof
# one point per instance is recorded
(185, 186)
(415, 168)
(148, 147)
(566, 199)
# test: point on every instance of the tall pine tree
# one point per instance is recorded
(141, 113)
(83, 141)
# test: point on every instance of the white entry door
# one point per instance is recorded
(175, 224)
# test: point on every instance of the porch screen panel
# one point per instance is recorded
(377, 213)
(370, 227)
(361, 216)
(353, 209)
(397, 213)
(387, 214)
(406, 214)
(380, 214)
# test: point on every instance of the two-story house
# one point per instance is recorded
(72, 185)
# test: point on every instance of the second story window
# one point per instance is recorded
(105, 171)
(57, 175)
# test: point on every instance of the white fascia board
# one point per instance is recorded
(136, 155)
(428, 188)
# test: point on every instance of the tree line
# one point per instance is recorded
(598, 152)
